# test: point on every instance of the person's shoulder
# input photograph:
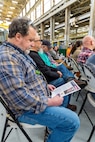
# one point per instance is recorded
(91, 58)
(32, 53)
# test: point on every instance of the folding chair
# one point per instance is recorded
(11, 120)
(82, 77)
(90, 78)
(75, 67)
(82, 73)
(77, 72)
(92, 102)
(90, 89)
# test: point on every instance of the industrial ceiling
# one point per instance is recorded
(10, 9)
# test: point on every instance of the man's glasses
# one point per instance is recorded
(38, 40)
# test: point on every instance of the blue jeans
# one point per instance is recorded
(66, 73)
(62, 122)
(58, 82)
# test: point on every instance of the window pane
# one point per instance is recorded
(57, 1)
(33, 15)
(38, 11)
(27, 7)
(32, 2)
(46, 5)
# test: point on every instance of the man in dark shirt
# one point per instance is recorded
(52, 75)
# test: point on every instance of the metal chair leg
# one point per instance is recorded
(82, 105)
(4, 131)
(93, 128)
(78, 95)
(3, 139)
(23, 131)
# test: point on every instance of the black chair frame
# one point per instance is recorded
(3, 139)
(84, 102)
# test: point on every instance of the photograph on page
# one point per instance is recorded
(66, 89)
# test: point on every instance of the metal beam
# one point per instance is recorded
(79, 18)
(57, 8)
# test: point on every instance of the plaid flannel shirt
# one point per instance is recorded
(84, 54)
(21, 84)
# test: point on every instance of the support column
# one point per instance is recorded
(67, 26)
(92, 19)
(52, 28)
(42, 24)
(42, 7)
(42, 30)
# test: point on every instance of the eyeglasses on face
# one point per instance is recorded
(38, 40)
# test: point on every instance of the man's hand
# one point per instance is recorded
(55, 101)
(51, 87)
(60, 74)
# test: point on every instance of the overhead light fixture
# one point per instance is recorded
(7, 18)
(15, 2)
(47, 26)
(10, 12)
(1, 21)
(1, 5)
(8, 23)
(56, 31)
(76, 26)
(1, 29)
(8, 15)
(56, 23)
(71, 15)
(12, 7)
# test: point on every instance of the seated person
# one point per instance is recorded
(54, 51)
(52, 75)
(69, 48)
(76, 49)
(66, 74)
(58, 57)
(87, 50)
(91, 63)
(25, 90)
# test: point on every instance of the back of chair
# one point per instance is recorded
(7, 108)
(75, 67)
(82, 73)
(74, 64)
(90, 78)
(11, 120)
(13, 116)
(14, 120)
(91, 99)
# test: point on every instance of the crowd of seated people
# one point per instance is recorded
(27, 80)
(52, 75)
(87, 54)
(76, 49)
(40, 54)
(25, 89)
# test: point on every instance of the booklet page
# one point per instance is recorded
(66, 89)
